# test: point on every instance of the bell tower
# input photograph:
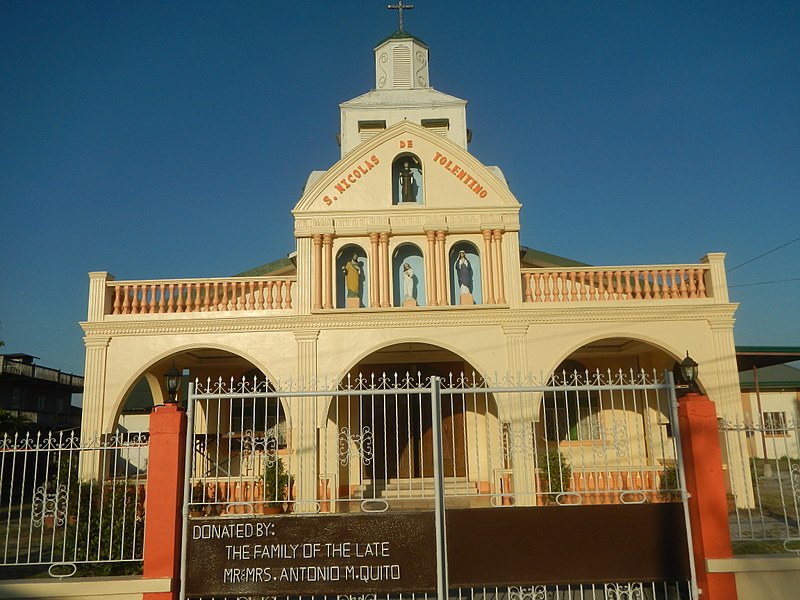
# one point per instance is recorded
(401, 63)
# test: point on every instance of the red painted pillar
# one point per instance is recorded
(705, 482)
(164, 500)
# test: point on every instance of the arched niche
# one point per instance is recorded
(407, 188)
(465, 274)
(408, 276)
(352, 275)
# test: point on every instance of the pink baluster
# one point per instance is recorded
(701, 283)
(180, 292)
(248, 294)
(597, 277)
(691, 274)
(279, 294)
(135, 300)
(571, 286)
(682, 278)
(162, 300)
(288, 294)
(189, 297)
(618, 286)
(117, 299)
(536, 292)
(526, 278)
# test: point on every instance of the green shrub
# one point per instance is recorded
(555, 471)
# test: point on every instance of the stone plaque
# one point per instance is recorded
(311, 555)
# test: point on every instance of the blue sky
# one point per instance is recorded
(171, 139)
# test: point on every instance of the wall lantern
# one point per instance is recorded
(172, 381)
(689, 368)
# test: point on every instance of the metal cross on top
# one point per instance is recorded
(400, 7)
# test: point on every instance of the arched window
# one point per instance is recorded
(408, 276)
(465, 274)
(407, 179)
(351, 276)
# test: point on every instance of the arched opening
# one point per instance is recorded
(407, 185)
(380, 443)
(604, 427)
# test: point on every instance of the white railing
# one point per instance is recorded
(614, 283)
(588, 438)
(767, 519)
(51, 521)
(200, 295)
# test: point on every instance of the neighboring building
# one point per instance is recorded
(40, 395)
(771, 399)
(408, 258)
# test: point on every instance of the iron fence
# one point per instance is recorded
(632, 590)
(764, 488)
(53, 520)
(365, 443)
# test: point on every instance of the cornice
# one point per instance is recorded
(719, 315)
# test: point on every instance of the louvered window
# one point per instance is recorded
(440, 126)
(402, 66)
(368, 129)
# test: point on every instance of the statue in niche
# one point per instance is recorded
(352, 282)
(408, 286)
(407, 184)
(464, 276)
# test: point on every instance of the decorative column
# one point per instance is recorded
(705, 483)
(441, 269)
(327, 270)
(304, 418)
(430, 269)
(93, 415)
(100, 296)
(385, 272)
(316, 272)
(497, 238)
(488, 260)
(164, 501)
(717, 282)
(374, 271)
(520, 415)
(727, 396)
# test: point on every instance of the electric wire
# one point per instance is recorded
(747, 262)
(764, 282)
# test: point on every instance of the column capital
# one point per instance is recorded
(96, 341)
(306, 335)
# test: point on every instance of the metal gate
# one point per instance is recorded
(419, 486)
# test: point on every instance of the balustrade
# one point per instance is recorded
(191, 296)
(616, 284)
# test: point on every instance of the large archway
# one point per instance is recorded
(384, 435)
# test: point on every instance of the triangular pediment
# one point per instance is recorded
(451, 178)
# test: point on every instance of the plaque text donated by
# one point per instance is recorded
(314, 554)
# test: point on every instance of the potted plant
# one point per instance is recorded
(276, 483)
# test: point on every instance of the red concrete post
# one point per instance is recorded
(705, 482)
(164, 500)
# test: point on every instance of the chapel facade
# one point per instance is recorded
(409, 260)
